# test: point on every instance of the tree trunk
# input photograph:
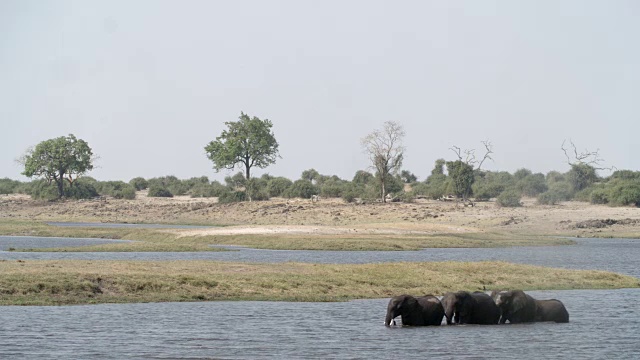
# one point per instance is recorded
(60, 184)
(384, 197)
(246, 175)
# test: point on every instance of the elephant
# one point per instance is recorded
(551, 310)
(463, 307)
(515, 306)
(415, 311)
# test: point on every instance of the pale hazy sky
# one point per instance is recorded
(149, 83)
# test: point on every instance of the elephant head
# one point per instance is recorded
(515, 306)
(463, 307)
(425, 310)
(450, 303)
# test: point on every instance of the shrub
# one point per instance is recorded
(532, 185)
(8, 186)
(302, 189)
(232, 196)
(81, 190)
(139, 183)
(333, 188)
(599, 196)
(159, 191)
(208, 190)
(277, 186)
(42, 190)
(509, 198)
(558, 191)
(624, 193)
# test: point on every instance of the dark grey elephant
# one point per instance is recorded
(515, 306)
(551, 310)
(415, 311)
(463, 307)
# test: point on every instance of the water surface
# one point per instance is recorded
(603, 325)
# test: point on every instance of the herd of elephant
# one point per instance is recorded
(463, 307)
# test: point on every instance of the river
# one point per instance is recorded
(604, 323)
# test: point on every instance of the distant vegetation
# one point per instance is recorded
(61, 163)
(622, 188)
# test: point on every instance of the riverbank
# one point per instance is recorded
(329, 224)
(92, 282)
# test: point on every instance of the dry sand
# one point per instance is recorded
(333, 216)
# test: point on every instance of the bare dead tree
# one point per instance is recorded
(385, 151)
(586, 157)
(468, 156)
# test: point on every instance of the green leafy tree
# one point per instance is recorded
(462, 178)
(311, 175)
(58, 160)
(247, 142)
(385, 151)
(438, 168)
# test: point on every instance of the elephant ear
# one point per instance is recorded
(518, 300)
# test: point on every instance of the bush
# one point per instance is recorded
(42, 190)
(8, 186)
(81, 190)
(278, 186)
(624, 192)
(509, 198)
(159, 191)
(139, 183)
(532, 185)
(117, 189)
(208, 190)
(232, 196)
(302, 189)
(599, 196)
(333, 188)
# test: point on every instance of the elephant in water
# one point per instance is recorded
(515, 306)
(463, 307)
(518, 307)
(551, 310)
(415, 311)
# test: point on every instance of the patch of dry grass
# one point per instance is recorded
(85, 282)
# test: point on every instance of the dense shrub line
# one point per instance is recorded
(580, 183)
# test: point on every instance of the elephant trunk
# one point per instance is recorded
(448, 313)
(388, 321)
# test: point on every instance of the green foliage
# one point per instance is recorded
(509, 198)
(117, 189)
(521, 174)
(236, 181)
(171, 183)
(157, 190)
(490, 184)
(139, 183)
(462, 178)
(333, 187)
(58, 160)
(434, 187)
(438, 168)
(532, 184)
(408, 177)
(362, 178)
(256, 189)
(202, 190)
(620, 189)
(247, 142)
(302, 189)
(42, 190)
(232, 196)
(311, 175)
(82, 190)
(581, 176)
(278, 186)
(8, 186)
(558, 191)
(555, 176)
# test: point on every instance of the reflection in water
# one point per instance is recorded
(604, 324)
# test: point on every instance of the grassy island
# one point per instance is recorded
(64, 282)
